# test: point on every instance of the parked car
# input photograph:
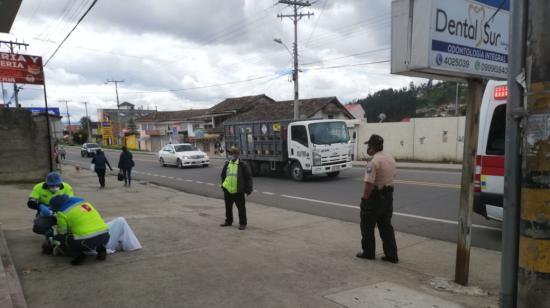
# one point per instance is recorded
(182, 155)
(89, 149)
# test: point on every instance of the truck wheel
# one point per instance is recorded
(162, 163)
(333, 174)
(179, 164)
(297, 172)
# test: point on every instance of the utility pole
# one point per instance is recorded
(89, 123)
(116, 82)
(462, 266)
(68, 115)
(534, 232)
(297, 16)
(515, 109)
(11, 45)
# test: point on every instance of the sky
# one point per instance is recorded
(182, 54)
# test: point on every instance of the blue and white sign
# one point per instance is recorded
(470, 37)
(450, 39)
(51, 110)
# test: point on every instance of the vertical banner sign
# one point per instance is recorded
(18, 68)
(468, 37)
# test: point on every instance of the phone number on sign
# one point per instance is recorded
(494, 68)
(456, 62)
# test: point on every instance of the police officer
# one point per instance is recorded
(80, 228)
(236, 181)
(43, 192)
(377, 202)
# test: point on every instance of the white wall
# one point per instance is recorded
(422, 139)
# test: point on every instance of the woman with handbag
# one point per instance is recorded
(125, 164)
(100, 166)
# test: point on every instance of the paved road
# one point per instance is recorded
(426, 202)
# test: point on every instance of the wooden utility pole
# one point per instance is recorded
(534, 233)
(295, 17)
(462, 269)
(119, 135)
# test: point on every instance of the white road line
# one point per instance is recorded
(163, 176)
(179, 179)
(268, 193)
(394, 213)
(156, 175)
(171, 177)
(211, 184)
(188, 180)
(199, 182)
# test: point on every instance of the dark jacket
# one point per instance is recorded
(100, 162)
(125, 161)
(244, 177)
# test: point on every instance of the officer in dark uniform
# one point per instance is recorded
(377, 202)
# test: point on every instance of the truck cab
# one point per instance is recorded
(318, 147)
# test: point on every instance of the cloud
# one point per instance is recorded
(156, 46)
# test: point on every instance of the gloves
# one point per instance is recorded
(45, 210)
(32, 204)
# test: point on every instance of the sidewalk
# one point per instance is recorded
(284, 258)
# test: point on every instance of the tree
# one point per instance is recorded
(84, 123)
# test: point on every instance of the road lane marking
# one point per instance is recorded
(162, 176)
(394, 213)
(421, 183)
(188, 180)
(268, 193)
(171, 177)
(199, 182)
(211, 184)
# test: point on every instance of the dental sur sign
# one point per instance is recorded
(451, 40)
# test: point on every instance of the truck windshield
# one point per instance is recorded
(328, 132)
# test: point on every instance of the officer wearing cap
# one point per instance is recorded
(377, 202)
(44, 191)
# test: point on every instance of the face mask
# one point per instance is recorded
(54, 189)
(230, 157)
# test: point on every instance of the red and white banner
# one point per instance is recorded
(18, 68)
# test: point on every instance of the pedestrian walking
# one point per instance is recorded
(100, 166)
(125, 164)
(62, 152)
(236, 182)
(377, 202)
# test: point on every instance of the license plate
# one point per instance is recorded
(335, 168)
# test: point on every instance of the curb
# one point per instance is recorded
(11, 292)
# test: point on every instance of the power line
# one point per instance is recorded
(348, 56)
(79, 21)
(347, 65)
(316, 23)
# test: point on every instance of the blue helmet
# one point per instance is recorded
(58, 201)
(54, 179)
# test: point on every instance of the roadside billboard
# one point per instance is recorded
(18, 68)
(444, 39)
(51, 110)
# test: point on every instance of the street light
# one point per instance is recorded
(294, 76)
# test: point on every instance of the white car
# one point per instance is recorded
(182, 155)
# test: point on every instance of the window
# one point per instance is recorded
(497, 131)
(184, 148)
(328, 132)
(299, 134)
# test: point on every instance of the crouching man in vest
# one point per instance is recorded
(80, 228)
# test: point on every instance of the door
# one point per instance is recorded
(299, 145)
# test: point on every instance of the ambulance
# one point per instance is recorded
(489, 169)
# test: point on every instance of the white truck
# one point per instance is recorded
(300, 147)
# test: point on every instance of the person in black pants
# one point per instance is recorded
(125, 164)
(100, 166)
(236, 181)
